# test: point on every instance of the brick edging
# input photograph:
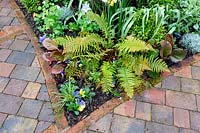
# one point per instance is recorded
(60, 120)
(186, 62)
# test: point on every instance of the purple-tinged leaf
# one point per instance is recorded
(50, 44)
(57, 69)
(46, 56)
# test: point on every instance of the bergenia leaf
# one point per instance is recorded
(57, 69)
(46, 56)
(50, 44)
(178, 55)
(166, 49)
(57, 56)
(169, 38)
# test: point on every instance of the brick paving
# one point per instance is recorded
(173, 106)
(24, 101)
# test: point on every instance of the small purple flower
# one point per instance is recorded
(76, 93)
(81, 102)
(42, 38)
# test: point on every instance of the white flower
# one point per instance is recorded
(86, 7)
(105, 1)
(58, 7)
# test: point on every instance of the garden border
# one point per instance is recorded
(60, 121)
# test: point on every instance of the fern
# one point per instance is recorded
(140, 64)
(132, 44)
(157, 65)
(80, 45)
(62, 41)
(137, 63)
(107, 77)
(101, 21)
(128, 81)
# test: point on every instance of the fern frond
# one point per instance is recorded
(128, 81)
(137, 63)
(80, 45)
(140, 64)
(101, 21)
(107, 77)
(157, 65)
(63, 40)
(131, 44)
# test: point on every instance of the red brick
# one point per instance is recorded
(103, 124)
(126, 109)
(198, 102)
(15, 87)
(195, 72)
(162, 114)
(51, 129)
(18, 13)
(195, 120)
(181, 100)
(4, 53)
(6, 69)
(172, 83)
(184, 72)
(153, 96)
(143, 111)
(181, 118)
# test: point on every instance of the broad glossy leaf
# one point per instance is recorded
(178, 55)
(50, 44)
(57, 69)
(166, 49)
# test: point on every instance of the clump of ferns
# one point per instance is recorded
(110, 66)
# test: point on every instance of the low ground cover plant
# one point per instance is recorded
(99, 49)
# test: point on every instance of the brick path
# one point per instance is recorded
(172, 107)
(24, 101)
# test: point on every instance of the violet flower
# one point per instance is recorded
(42, 38)
(76, 94)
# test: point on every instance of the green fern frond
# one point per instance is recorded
(63, 40)
(101, 21)
(137, 63)
(88, 55)
(157, 65)
(131, 44)
(107, 77)
(128, 81)
(80, 45)
(140, 64)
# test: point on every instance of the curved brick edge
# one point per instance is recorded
(61, 123)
